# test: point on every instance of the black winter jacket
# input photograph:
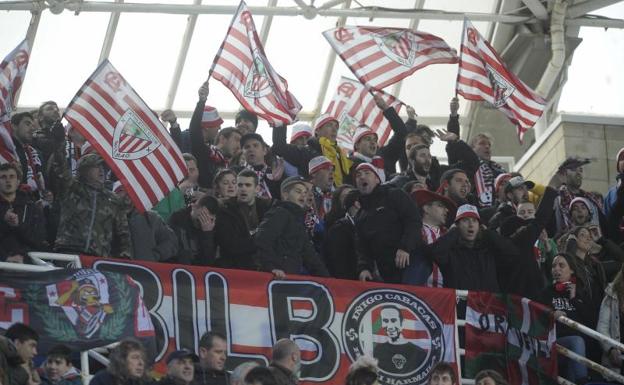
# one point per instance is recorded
(195, 247)
(525, 277)
(283, 243)
(472, 268)
(339, 250)
(236, 245)
(388, 221)
(30, 234)
(210, 377)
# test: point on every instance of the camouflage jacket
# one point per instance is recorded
(92, 218)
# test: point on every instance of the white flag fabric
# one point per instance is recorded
(483, 76)
(353, 105)
(382, 56)
(242, 66)
(12, 73)
(128, 135)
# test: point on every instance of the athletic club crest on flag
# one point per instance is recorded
(132, 138)
(84, 299)
(258, 83)
(397, 45)
(501, 88)
(128, 135)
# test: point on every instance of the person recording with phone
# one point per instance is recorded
(567, 297)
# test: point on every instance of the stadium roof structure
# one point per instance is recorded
(165, 49)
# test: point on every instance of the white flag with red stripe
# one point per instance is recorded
(128, 135)
(242, 66)
(353, 105)
(12, 73)
(483, 76)
(382, 56)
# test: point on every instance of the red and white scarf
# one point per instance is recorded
(430, 234)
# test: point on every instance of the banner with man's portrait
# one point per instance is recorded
(408, 329)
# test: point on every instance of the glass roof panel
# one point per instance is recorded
(209, 33)
(145, 50)
(13, 27)
(63, 59)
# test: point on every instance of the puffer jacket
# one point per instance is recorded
(388, 221)
(609, 323)
(283, 243)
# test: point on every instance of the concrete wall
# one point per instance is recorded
(596, 137)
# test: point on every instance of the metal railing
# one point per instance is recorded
(41, 263)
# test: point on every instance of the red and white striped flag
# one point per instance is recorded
(242, 66)
(483, 76)
(353, 105)
(12, 73)
(128, 135)
(382, 56)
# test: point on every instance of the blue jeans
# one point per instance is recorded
(574, 371)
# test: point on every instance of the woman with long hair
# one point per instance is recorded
(592, 252)
(127, 366)
(224, 184)
(610, 322)
(566, 297)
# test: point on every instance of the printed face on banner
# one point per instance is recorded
(399, 330)
(84, 299)
(398, 46)
(132, 138)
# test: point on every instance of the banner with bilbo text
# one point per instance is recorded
(408, 329)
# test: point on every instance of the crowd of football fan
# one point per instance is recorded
(306, 206)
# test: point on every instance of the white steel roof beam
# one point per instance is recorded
(329, 67)
(107, 44)
(184, 48)
(418, 4)
(266, 24)
(537, 8)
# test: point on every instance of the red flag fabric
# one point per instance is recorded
(483, 76)
(382, 56)
(242, 66)
(12, 72)
(128, 135)
(353, 105)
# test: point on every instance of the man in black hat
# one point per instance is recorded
(180, 368)
(282, 241)
(570, 172)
